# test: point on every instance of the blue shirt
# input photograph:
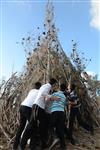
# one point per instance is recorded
(58, 105)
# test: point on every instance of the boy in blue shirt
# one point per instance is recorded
(57, 109)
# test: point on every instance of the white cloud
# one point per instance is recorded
(91, 73)
(95, 14)
(23, 3)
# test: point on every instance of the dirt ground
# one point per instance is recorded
(85, 141)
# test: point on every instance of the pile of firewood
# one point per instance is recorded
(45, 59)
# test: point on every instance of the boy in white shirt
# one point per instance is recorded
(40, 104)
(25, 112)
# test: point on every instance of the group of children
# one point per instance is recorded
(44, 109)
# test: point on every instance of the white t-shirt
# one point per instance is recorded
(29, 100)
(43, 92)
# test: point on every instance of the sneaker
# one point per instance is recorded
(56, 141)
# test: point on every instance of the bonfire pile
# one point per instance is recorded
(45, 58)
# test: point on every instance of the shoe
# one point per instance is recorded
(19, 148)
(56, 141)
(14, 148)
(92, 131)
(63, 148)
(72, 141)
(44, 146)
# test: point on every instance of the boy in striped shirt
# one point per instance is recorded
(57, 109)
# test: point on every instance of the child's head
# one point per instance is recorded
(37, 85)
(71, 87)
(63, 87)
(53, 81)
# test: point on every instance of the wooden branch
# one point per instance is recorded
(5, 134)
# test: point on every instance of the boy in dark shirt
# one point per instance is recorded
(74, 112)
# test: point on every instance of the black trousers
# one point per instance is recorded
(42, 116)
(58, 122)
(37, 129)
(25, 113)
(75, 113)
(31, 132)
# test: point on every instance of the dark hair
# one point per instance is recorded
(73, 86)
(52, 81)
(37, 85)
(63, 87)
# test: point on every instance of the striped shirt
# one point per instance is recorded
(74, 98)
(58, 105)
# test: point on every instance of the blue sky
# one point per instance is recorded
(76, 20)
